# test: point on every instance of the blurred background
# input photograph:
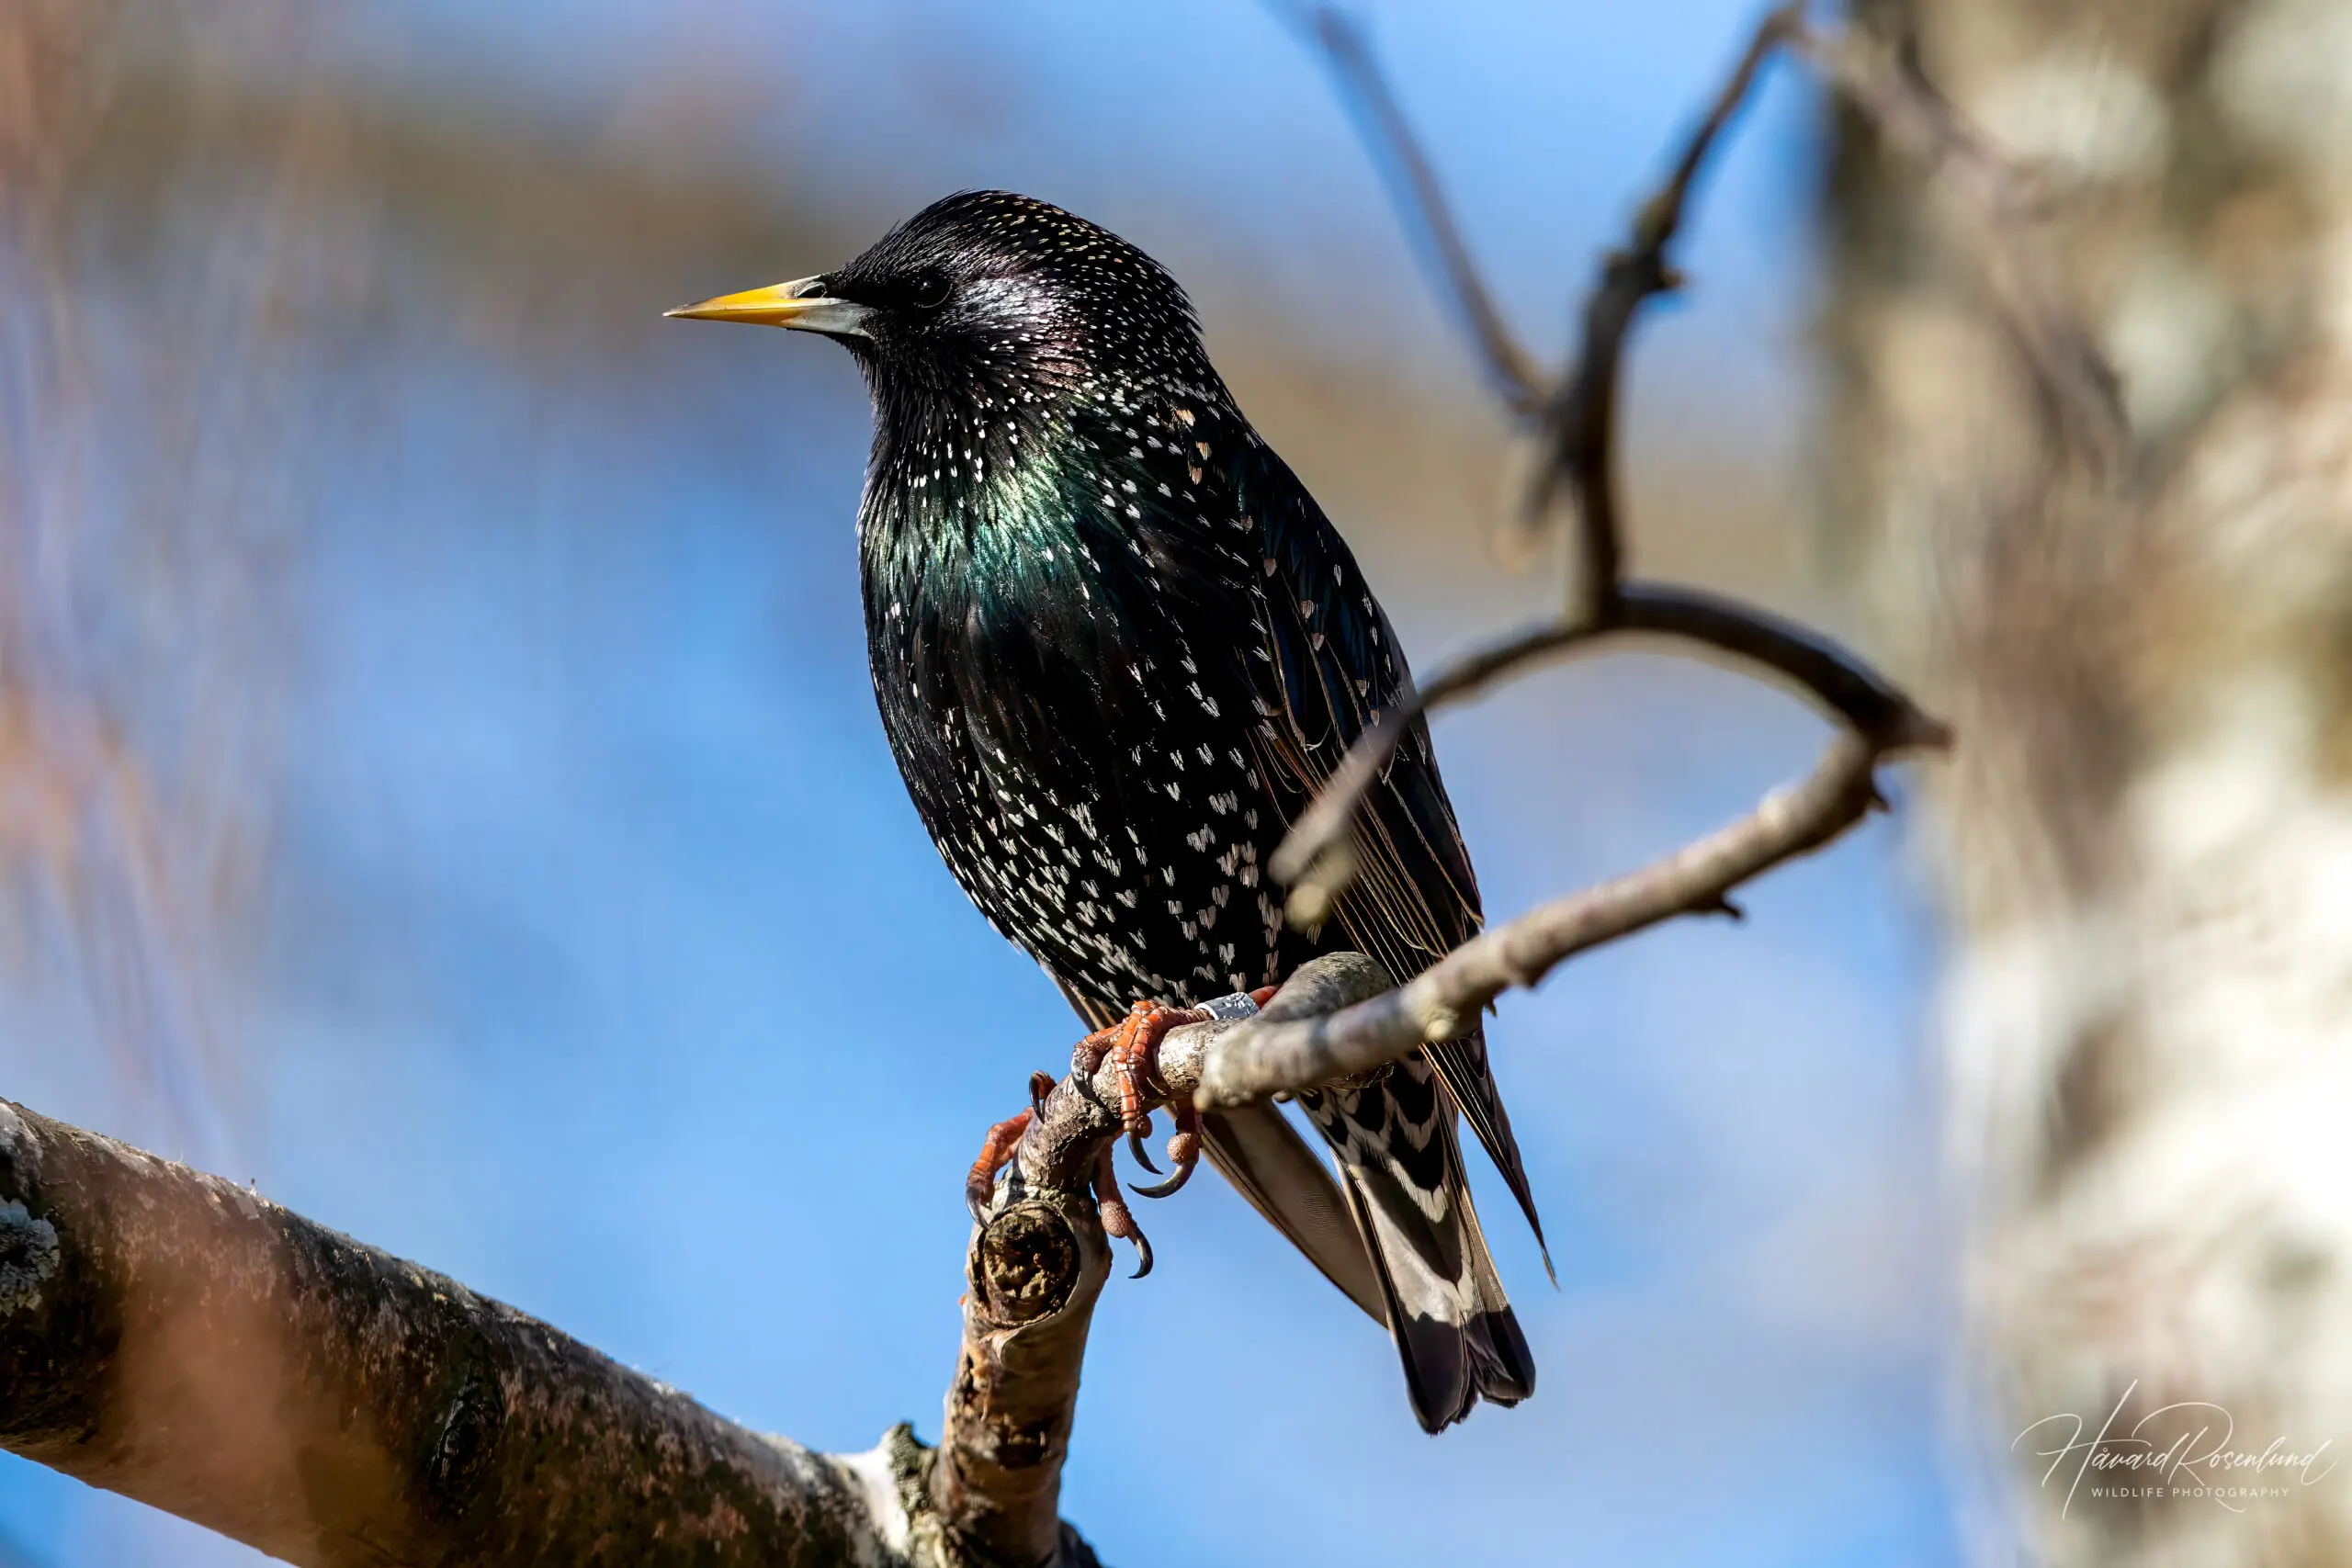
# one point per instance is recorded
(439, 781)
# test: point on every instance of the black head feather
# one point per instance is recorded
(988, 294)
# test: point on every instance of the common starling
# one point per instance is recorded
(1116, 647)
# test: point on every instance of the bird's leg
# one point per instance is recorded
(1134, 1043)
(1184, 1144)
(1117, 1220)
(996, 1151)
(1087, 1060)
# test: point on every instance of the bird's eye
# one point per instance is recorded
(930, 291)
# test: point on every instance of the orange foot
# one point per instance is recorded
(1132, 1042)
(1184, 1147)
(995, 1153)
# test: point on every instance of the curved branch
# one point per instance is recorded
(1312, 858)
(1259, 1059)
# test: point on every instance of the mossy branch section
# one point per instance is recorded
(178, 1340)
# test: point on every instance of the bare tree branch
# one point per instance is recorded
(186, 1342)
(176, 1338)
(1583, 412)
(1886, 84)
(1581, 415)
(181, 1341)
(1420, 199)
(1259, 1059)
(1036, 1270)
(1841, 684)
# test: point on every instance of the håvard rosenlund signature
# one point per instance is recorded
(2180, 1450)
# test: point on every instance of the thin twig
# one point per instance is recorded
(1841, 684)
(1885, 83)
(1583, 418)
(1259, 1059)
(1081, 1114)
(1420, 199)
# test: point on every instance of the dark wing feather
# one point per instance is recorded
(1327, 663)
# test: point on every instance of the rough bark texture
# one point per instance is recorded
(2142, 849)
(1037, 1266)
(179, 1339)
(174, 1337)
(1037, 1269)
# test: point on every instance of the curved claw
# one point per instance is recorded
(1169, 1188)
(1117, 1218)
(1040, 1086)
(1183, 1149)
(1135, 1146)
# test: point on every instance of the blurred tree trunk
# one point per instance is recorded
(2144, 847)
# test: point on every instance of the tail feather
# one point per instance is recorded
(1462, 1067)
(1414, 1255)
(1401, 1167)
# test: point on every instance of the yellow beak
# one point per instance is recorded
(800, 304)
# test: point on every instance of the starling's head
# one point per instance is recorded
(990, 296)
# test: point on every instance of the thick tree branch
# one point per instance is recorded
(179, 1339)
(176, 1338)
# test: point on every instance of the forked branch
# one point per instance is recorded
(1577, 417)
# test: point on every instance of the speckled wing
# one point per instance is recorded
(1325, 662)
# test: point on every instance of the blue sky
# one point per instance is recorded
(603, 955)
